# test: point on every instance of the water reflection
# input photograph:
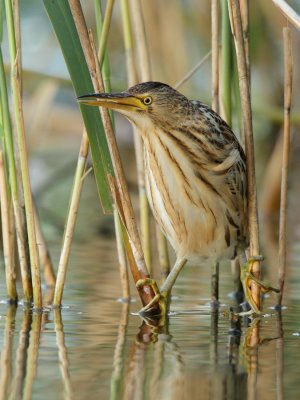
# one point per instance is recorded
(241, 358)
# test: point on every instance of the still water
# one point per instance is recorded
(97, 348)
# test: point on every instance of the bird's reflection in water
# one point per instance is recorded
(156, 368)
(154, 363)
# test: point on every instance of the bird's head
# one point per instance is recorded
(148, 101)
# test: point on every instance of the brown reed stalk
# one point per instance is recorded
(144, 73)
(244, 6)
(8, 253)
(104, 65)
(237, 31)
(20, 131)
(288, 12)
(137, 264)
(215, 54)
(215, 106)
(288, 76)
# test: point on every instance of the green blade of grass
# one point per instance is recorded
(61, 18)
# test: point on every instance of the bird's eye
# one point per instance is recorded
(147, 100)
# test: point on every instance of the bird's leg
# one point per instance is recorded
(171, 278)
(161, 296)
(246, 278)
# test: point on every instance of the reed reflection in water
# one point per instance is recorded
(236, 359)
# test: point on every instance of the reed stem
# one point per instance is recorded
(215, 54)
(71, 220)
(104, 65)
(215, 107)
(143, 71)
(17, 102)
(237, 30)
(226, 70)
(9, 260)
(119, 187)
(288, 75)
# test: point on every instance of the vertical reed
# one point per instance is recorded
(104, 65)
(8, 145)
(143, 72)
(237, 30)
(71, 219)
(118, 183)
(288, 74)
(215, 107)
(9, 259)
(17, 102)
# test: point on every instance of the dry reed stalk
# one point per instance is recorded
(237, 31)
(20, 131)
(132, 80)
(71, 219)
(104, 65)
(244, 7)
(144, 72)
(44, 255)
(215, 107)
(226, 70)
(215, 54)
(8, 253)
(288, 75)
(13, 181)
(138, 267)
(288, 12)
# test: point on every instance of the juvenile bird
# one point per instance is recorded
(195, 174)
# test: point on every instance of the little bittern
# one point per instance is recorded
(195, 175)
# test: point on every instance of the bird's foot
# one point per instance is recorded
(159, 298)
(247, 277)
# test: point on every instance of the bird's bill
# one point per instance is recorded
(116, 101)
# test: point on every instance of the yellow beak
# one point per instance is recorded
(116, 101)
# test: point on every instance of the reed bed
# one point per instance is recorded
(89, 72)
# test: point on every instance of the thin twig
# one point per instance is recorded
(288, 74)
(192, 71)
(288, 12)
(237, 31)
